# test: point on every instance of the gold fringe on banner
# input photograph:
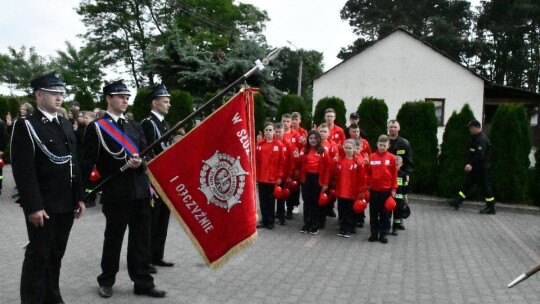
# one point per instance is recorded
(218, 263)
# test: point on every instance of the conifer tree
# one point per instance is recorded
(260, 112)
(419, 126)
(289, 103)
(373, 113)
(510, 145)
(335, 103)
(456, 139)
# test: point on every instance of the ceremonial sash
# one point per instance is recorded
(120, 137)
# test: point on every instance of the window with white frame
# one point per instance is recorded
(439, 109)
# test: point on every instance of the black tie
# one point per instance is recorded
(55, 121)
(121, 122)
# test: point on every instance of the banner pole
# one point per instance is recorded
(259, 66)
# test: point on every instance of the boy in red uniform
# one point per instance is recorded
(363, 160)
(382, 180)
(314, 177)
(289, 165)
(269, 160)
(350, 185)
(289, 135)
(401, 196)
(354, 132)
(294, 200)
(336, 133)
(296, 119)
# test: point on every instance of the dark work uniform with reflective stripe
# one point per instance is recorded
(400, 146)
(45, 185)
(479, 157)
(126, 202)
(160, 211)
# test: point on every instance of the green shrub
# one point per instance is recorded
(335, 103)
(260, 112)
(419, 126)
(289, 103)
(510, 153)
(373, 113)
(535, 188)
(86, 100)
(453, 156)
(141, 107)
(181, 107)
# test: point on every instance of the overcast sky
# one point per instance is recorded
(308, 24)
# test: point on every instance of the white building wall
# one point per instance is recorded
(397, 69)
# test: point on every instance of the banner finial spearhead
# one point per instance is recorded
(273, 55)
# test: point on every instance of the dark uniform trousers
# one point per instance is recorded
(120, 215)
(310, 194)
(160, 212)
(267, 202)
(42, 259)
(160, 224)
(379, 218)
(480, 177)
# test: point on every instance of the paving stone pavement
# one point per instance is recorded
(444, 256)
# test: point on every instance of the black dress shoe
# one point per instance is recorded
(162, 263)
(152, 269)
(105, 291)
(154, 292)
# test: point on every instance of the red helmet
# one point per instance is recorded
(293, 186)
(1, 163)
(359, 206)
(331, 195)
(323, 199)
(285, 194)
(278, 191)
(390, 204)
(366, 196)
(94, 175)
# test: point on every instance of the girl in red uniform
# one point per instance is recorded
(332, 149)
(350, 185)
(269, 160)
(382, 179)
(314, 163)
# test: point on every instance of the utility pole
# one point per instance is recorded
(299, 91)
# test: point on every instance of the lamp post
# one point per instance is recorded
(299, 92)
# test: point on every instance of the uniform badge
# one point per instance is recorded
(387, 162)
(276, 148)
(222, 180)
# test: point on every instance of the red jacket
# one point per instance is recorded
(290, 162)
(337, 135)
(350, 178)
(382, 171)
(322, 162)
(294, 138)
(269, 159)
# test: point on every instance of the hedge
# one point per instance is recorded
(293, 103)
(510, 143)
(419, 126)
(454, 147)
(373, 113)
(335, 103)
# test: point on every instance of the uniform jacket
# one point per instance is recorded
(382, 171)
(350, 178)
(479, 156)
(43, 184)
(130, 185)
(323, 163)
(400, 146)
(151, 135)
(270, 160)
(403, 185)
(337, 135)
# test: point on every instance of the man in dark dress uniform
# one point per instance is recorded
(477, 169)
(154, 126)
(47, 174)
(110, 143)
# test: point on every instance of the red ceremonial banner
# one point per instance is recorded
(208, 180)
